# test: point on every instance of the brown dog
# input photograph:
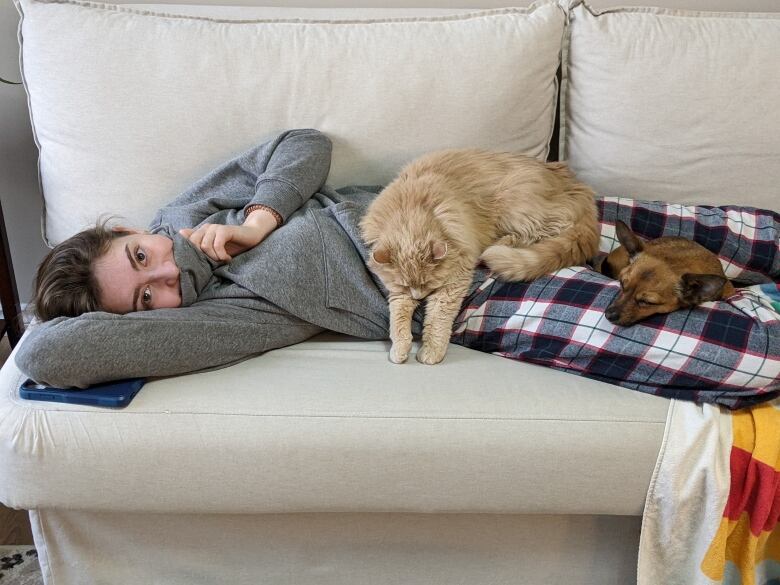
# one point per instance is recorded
(661, 276)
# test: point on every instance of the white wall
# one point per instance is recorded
(18, 156)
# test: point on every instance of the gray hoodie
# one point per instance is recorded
(307, 276)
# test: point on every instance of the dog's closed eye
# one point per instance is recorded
(649, 301)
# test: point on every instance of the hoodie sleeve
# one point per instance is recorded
(298, 164)
(282, 173)
(98, 347)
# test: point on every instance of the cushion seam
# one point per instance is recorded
(529, 11)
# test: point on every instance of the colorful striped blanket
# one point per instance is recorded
(712, 510)
(771, 292)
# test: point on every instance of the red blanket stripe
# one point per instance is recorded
(755, 489)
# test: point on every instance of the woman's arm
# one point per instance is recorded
(97, 347)
(298, 164)
(281, 174)
(222, 242)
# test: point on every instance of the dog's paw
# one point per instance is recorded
(430, 354)
(399, 352)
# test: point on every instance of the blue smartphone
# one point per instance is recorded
(113, 394)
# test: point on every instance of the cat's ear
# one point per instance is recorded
(381, 256)
(439, 250)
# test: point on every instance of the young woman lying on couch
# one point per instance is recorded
(197, 291)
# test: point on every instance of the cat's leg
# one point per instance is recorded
(442, 306)
(402, 308)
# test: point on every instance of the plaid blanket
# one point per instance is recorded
(746, 239)
(725, 352)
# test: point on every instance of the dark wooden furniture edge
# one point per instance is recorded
(12, 321)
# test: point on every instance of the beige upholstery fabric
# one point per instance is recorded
(332, 425)
(674, 105)
(161, 100)
(86, 548)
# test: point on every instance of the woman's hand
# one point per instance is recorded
(223, 242)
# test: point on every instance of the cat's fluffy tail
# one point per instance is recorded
(571, 247)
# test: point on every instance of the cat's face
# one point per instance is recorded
(416, 269)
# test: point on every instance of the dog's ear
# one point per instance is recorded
(381, 256)
(606, 269)
(613, 263)
(700, 288)
(628, 239)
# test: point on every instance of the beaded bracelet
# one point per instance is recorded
(255, 206)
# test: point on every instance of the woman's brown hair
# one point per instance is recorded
(65, 285)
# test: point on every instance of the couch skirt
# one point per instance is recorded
(92, 548)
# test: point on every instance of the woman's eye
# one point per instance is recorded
(140, 255)
(146, 298)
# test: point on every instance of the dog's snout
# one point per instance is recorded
(617, 313)
(612, 314)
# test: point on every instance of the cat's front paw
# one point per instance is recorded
(431, 354)
(399, 352)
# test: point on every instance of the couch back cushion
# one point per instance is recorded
(130, 106)
(674, 105)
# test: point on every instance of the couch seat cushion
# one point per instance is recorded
(331, 425)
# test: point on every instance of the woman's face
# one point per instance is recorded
(138, 273)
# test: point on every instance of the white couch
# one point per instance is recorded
(322, 462)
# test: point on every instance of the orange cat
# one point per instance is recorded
(428, 229)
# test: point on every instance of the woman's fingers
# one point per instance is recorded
(203, 238)
(222, 242)
(207, 242)
(221, 238)
(195, 236)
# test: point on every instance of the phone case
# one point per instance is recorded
(110, 394)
